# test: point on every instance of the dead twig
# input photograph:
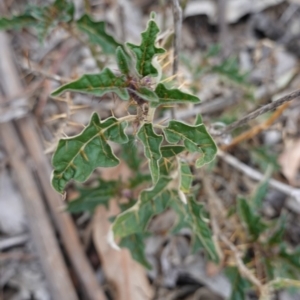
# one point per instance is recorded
(256, 175)
(256, 129)
(223, 28)
(260, 111)
(13, 241)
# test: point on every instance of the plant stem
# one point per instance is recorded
(260, 111)
(177, 13)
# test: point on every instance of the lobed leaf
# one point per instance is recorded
(151, 202)
(252, 221)
(146, 51)
(172, 96)
(97, 84)
(152, 143)
(97, 34)
(195, 139)
(90, 198)
(76, 157)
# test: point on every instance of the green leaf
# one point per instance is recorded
(170, 151)
(139, 179)
(151, 202)
(277, 236)
(198, 120)
(135, 244)
(17, 22)
(97, 84)
(201, 229)
(90, 198)
(43, 18)
(146, 51)
(145, 94)
(269, 266)
(260, 193)
(76, 157)
(97, 34)
(230, 69)
(152, 143)
(239, 285)
(122, 60)
(166, 166)
(195, 139)
(251, 220)
(291, 257)
(130, 154)
(48, 17)
(192, 216)
(167, 97)
(186, 177)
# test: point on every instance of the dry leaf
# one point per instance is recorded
(289, 161)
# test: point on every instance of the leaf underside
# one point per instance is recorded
(76, 157)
